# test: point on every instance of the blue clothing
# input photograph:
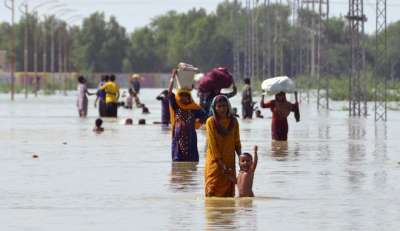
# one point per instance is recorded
(101, 93)
(184, 136)
(165, 116)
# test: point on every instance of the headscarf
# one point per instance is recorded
(230, 115)
(190, 106)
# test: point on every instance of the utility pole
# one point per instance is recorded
(60, 50)
(357, 83)
(44, 68)
(10, 4)
(24, 10)
(382, 68)
(35, 56)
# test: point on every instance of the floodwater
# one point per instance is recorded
(335, 173)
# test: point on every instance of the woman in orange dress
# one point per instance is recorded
(223, 141)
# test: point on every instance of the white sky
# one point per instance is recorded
(137, 13)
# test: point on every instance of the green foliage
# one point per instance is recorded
(196, 36)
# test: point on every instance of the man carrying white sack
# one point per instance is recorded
(280, 107)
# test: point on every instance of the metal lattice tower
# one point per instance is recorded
(320, 10)
(254, 41)
(248, 41)
(266, 42)
(323, 83)
(357, 83)
(236, 43)
(381, 70)
(278, 44)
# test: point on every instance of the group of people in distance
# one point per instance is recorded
(107, 96)
(223, 137)
(107, 99)
(222, 128)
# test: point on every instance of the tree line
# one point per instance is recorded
(199, 37)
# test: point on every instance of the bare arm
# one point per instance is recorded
(238, 144)
(233, 93)
(262, 101)
(95, 102)
(254, 166)
(171, 82)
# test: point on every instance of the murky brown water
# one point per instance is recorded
(335, 173)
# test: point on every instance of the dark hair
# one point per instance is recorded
(112, 78)
(145, 109)
(103, 78)
(81, 79)
(98, 122)
(246, 81)
(106, 78)
(165, 92)
(129, 121)
(220, 99)
(142, 121)
(247, 154)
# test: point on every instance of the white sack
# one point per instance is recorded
(279, 84)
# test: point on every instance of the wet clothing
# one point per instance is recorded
(135, 83)
(112, 94)
(101, 95)
(165, 116)
(221, 146)
(247, 102)
(206, 99)
(279, 124)
(184, 136)
(82, 102)
(111, 110)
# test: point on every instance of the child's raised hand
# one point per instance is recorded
(255, 148)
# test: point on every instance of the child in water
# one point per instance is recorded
(246, 173)
(98, 128)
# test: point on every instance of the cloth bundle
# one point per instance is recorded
(215, 80)
(279, 84)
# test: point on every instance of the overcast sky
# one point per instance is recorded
(137, 13)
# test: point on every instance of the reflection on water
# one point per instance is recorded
(334, 173)
(230, 213)
(380, 155)
(184, 176)
(220, 213)
(279, 150)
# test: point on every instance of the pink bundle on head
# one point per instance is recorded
(215, 80)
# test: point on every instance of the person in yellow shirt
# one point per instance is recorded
(112, 95)
(223, 140)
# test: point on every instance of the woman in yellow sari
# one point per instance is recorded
(223, 140)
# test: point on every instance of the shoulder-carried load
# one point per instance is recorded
(185, 75)
(279, 84)
(215, 80)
